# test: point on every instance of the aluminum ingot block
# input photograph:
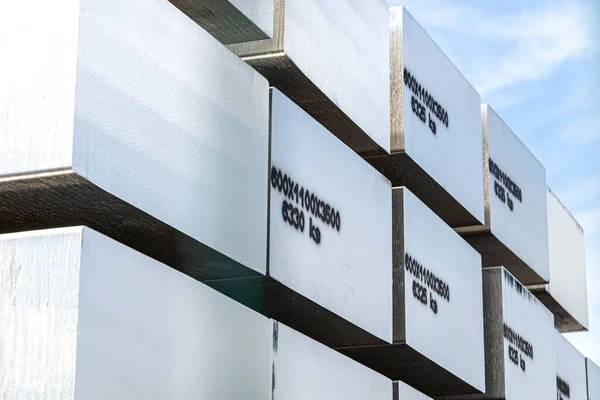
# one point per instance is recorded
(85, 317)
(404, 392)
(131, 119)
(571, 381)
(231, 21)
(593, 380)
(330, 237)
(332, 58)
(435, 126)
(438, 342)
(515, 234)
(305, 369)
(566, 293)
(519, 341)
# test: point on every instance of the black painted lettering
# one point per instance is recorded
(301, 199)
(279, 181)
(429, 102)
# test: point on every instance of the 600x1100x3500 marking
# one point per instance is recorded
(299, 199)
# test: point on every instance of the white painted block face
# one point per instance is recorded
(571, 381)
(139, 100)
(436, 115)
(443, 293)
(330, 222)
(568, 281)
(516, 194)
(93, 319)
(529, 343)
(405, 392)
(148, 331)
(342, 46)
(305, 369)
(89, 318)
(593, 380)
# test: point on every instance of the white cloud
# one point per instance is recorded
(510, 48)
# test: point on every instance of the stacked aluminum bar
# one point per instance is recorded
(515, 233)
(85, 317)
(330, 227)
(403, 391)
(437, 288)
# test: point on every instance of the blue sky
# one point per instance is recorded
(537, 63)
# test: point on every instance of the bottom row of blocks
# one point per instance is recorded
(83, 316)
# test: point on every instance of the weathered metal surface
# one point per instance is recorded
(571, 380)
(231, 21)
(38, 314)
(304, 369)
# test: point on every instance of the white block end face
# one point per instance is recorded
(37, 85)
(306, 369)
(529, 343)
(39, 287)
(148, 331)
(593, 380)
(170, 121)
(571, 381)
(342, 46)
(406, 392)
(443, 132)
(451, 302)
(568, 281)
(516, 192)
(260, 12)
(342, 263)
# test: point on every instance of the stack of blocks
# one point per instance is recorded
(283, 199)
